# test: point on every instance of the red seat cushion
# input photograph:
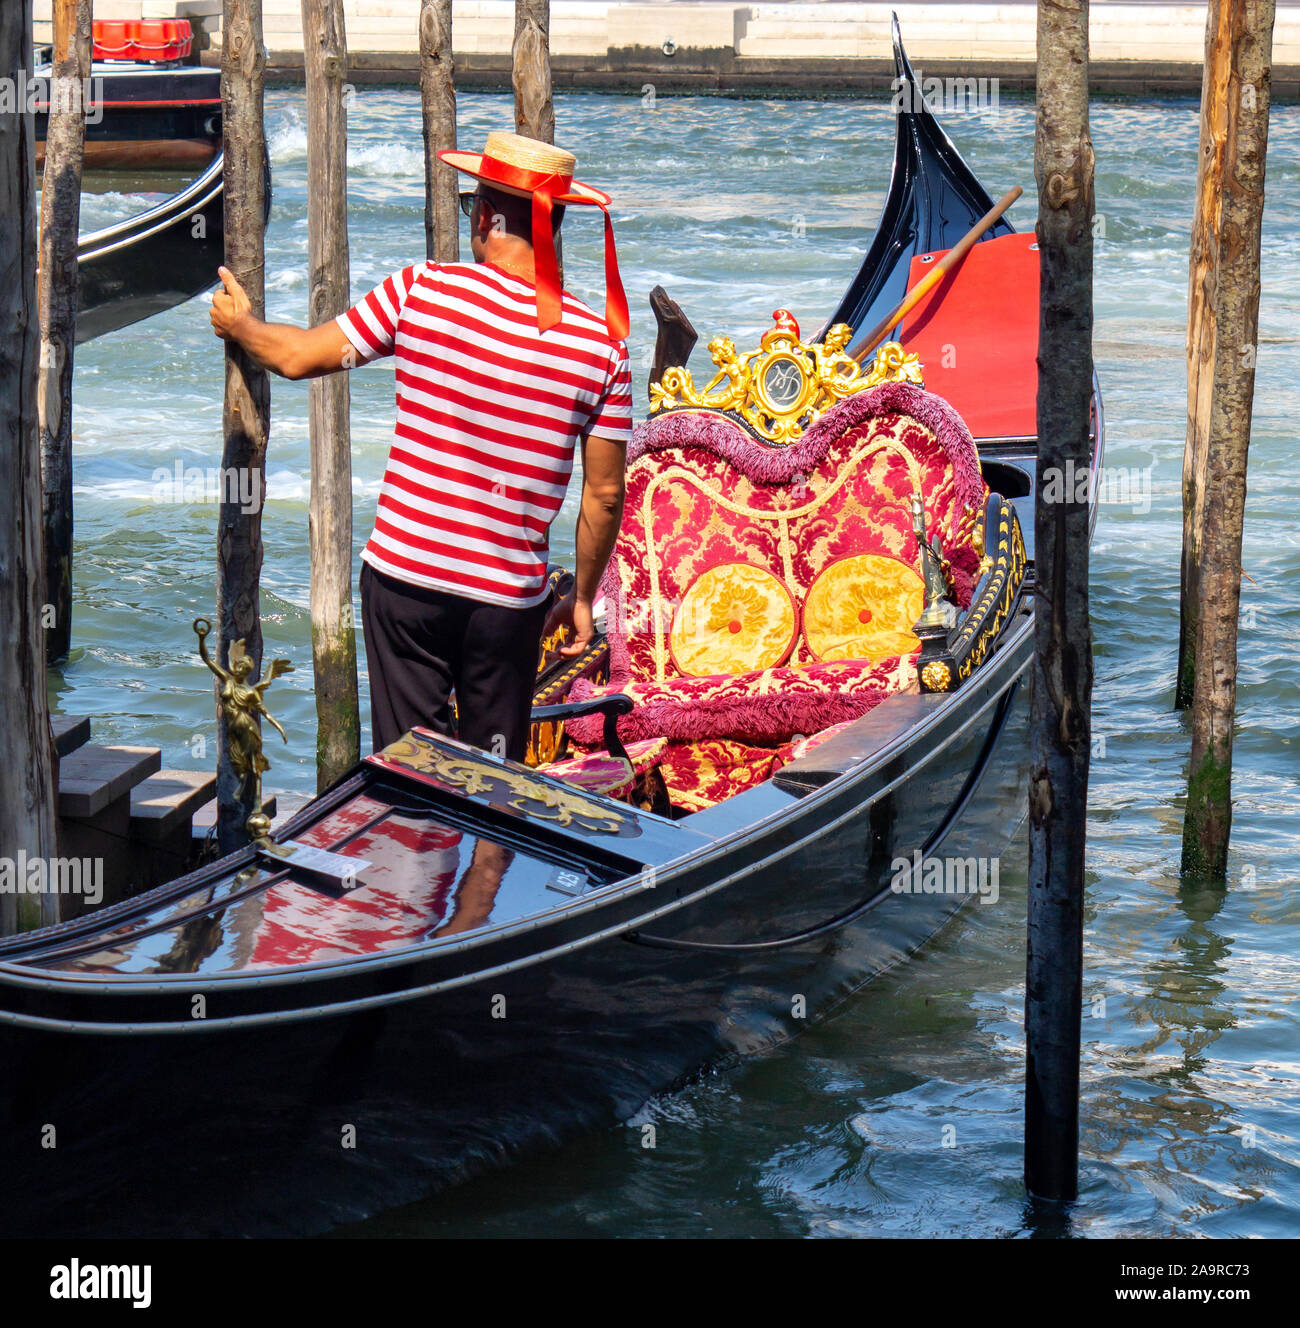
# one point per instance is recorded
(704, 497)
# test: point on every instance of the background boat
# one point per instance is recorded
(150, 109)
(155, 260)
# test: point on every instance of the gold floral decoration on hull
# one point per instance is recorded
(461, 770)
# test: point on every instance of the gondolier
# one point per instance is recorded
(500, 376)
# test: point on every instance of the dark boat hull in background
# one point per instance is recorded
(153, 261)
(156, 260)
(147, 117)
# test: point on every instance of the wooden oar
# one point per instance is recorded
(936, 274)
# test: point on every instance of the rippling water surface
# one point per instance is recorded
(1190, 1118)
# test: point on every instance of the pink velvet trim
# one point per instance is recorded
(774, 718)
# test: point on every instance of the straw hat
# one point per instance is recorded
(544, 173)
(514, 152)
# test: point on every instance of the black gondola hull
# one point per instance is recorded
(435, 1085)
(143, 117)
(152, 262)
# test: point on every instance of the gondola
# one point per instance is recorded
(155, 260)
(517, 953)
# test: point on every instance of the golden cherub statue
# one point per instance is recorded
(731, 369)
(677, 386)
(837, 371)
(242, 705)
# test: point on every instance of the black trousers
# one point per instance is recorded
(421, 644)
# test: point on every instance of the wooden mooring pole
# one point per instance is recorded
(333, 634)
(438, 102)
(1222, 332)
(530, 74)
(1062, 672)
(60, 282)
(1234, 127)
(247, 414)
(27, 822)
(531, 70)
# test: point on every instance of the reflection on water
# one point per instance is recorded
(901, 1115)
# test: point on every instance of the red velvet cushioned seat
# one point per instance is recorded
(703, 496)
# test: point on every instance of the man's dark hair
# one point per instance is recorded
(516, 212)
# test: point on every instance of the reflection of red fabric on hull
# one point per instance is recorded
(406, 895)
(976, 333)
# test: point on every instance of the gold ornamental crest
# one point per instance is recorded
(786, 385)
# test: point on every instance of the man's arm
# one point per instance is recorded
(291, 352)
(599, 516)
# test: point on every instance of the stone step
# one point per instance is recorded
(70, 732)
(92, 777)
(165, 803)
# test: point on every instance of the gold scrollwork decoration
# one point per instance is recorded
(786, 385)
(975, 641)
(476, 778)
(1002, 574)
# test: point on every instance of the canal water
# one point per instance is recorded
(902, 1114)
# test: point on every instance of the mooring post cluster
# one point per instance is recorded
(1222, 340)
(247, 413)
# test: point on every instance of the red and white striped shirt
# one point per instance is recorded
(488, 412)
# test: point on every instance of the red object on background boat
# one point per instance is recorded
(149, 40)
(977, 335)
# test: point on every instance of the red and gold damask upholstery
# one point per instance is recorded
(735, 618)
(703, 774)
(757, 593)
(863, 607)
(702, 495)
(599, 772)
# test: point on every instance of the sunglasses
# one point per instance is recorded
(467, 200)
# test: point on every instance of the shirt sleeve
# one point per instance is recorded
(371, 326)
(612, 416)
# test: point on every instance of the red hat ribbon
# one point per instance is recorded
(544, 186)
